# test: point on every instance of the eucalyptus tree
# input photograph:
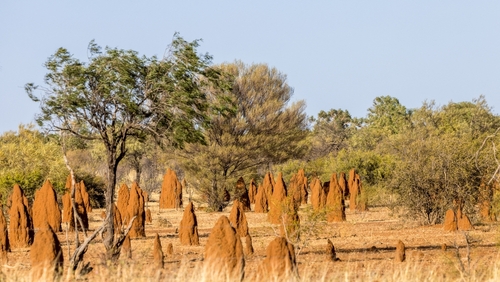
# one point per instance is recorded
(263, 128)
(119, 95)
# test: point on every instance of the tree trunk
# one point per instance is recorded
(110, 192)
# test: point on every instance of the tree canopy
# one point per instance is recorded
(264, 128)
(118, 96)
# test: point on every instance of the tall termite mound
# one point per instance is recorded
(450, 221)
(157, 252)
(85, 197)
(20, 225)
(353, 189)
(252, 191)
(224, 251)
(463, 221)
(298, 188)
(268, 184)
(4, 238)
(136, 208)
(318, 198)
(335, 201)
(456, 219)
(122, 202)
(261, 201)
(280, 262)
(46, 209)
(188, 229)
(344, 185)
(171, 191)
(276, 200)
(82, 205)
(46, 252)
(293, 191)
(241, 194)
(238, 219)
(356, 199)
(67, 212)
(81, 208)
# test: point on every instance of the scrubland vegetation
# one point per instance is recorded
(122, 118)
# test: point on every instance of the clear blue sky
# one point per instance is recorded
(337, 54)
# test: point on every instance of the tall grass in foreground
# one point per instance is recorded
(385, 270)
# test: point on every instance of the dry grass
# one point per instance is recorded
(365, 245)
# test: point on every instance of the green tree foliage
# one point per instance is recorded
(28, 158)
(330, 133)
(265, 128)
(119, 96)
(435, 162)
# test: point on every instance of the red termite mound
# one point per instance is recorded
(463, 221)
(252, 191)
(318, 198)
(261, 202)
(82, 204)
(354, 191)
(294, 192)
(188, 229)
(20, 225)
(4, 238)
(241, 193)
(344, 186)
(46, 209)
(85, 197)
(157, 252)
(352, 176)
(298, 188)
(238, 219)
(122, 202)
(171, 191)
(450, 221)
(268, 184)
(224, 251)
(355, 188)
(457, 220)
(335, 201)
(46, 251)
(67, 212)
(276, 201)
(280, 262)
(136, 208)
